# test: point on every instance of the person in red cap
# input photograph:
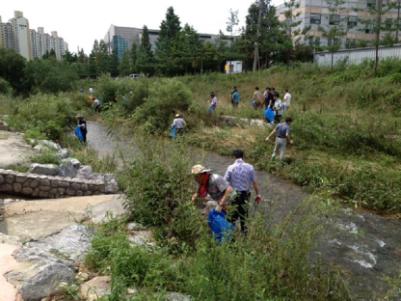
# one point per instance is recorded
(213, 188)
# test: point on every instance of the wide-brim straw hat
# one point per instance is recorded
(198, 169)
(177, 115)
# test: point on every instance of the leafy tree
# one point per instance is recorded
(336, 31)
(12, 67)
(113, 68)
(134, 56)
(50, 75)
(69, 57)
(260, 40)
(187, 51)
(291, 21)
(145, 61)
(125, 65)
(50, 55)
(232, 22)
(168, 36)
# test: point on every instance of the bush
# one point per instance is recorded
(5, 87)
(107, 89)
(159, 191)
(165, 98)
(46, 114)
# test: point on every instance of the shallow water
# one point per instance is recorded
(364, 245)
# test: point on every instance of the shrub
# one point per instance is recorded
(107, 89)
(47, 114)
(165, 98)
(46, 157)
(159, 191)
(5, 87)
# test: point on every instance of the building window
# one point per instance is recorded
(315, 19)
(334, 19)
(352, 21)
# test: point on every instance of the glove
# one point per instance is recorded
(258, 199)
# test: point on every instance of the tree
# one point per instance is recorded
(12, 67)
(291, 21)
(168, 37)
(145, 60)
(125, 65)
(263, 32)
(232, 22)
(336, 31)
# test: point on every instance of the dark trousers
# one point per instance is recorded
(240, 208)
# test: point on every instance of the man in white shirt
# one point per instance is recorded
(287, 100)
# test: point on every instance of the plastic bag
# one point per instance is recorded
(78, 133)
(221, 228)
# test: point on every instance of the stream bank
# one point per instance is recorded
(367, 247)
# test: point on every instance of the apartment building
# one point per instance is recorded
(22, 35)
(119, 39)
(352, 18)
(31, 44)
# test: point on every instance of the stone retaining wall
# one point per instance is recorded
(38, 186)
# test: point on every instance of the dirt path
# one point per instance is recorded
(366, 246)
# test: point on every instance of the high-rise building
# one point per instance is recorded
(22, 41)
(119, 39)
(2, 42)
(317, 16)
(16, 35)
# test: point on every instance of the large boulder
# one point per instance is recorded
(69, 167)
(47, 264)
(44, 169)
(95, 288)
(49, 145)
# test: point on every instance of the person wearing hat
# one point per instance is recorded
(178, 124)
(241, 176)
(212, 188)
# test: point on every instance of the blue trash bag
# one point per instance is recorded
(78, 134)
(173, 133)
(269, 115)
(221, 228)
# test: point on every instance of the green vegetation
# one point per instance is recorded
(44, 115)
(346, 127)
(269, 264)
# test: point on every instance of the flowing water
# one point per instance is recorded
(364, 245)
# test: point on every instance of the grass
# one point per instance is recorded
(269, 264)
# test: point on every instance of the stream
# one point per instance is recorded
(366, 246)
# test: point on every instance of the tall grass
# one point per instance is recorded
(271, 263)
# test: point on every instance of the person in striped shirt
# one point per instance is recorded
(241, 177)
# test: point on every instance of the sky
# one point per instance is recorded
(80, 22)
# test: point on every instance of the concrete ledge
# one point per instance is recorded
(38, 186)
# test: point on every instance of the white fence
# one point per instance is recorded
(356, 56)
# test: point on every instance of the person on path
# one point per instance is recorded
(96, 104)
(213, 103)
(267, 97)
(213, 189)
(241, 177)
(235, 97)
(178, 125)
(282, 132)
(278, 108)
(82, 127)
(287, 100)
(257, 99)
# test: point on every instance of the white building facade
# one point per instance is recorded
(29, 43)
